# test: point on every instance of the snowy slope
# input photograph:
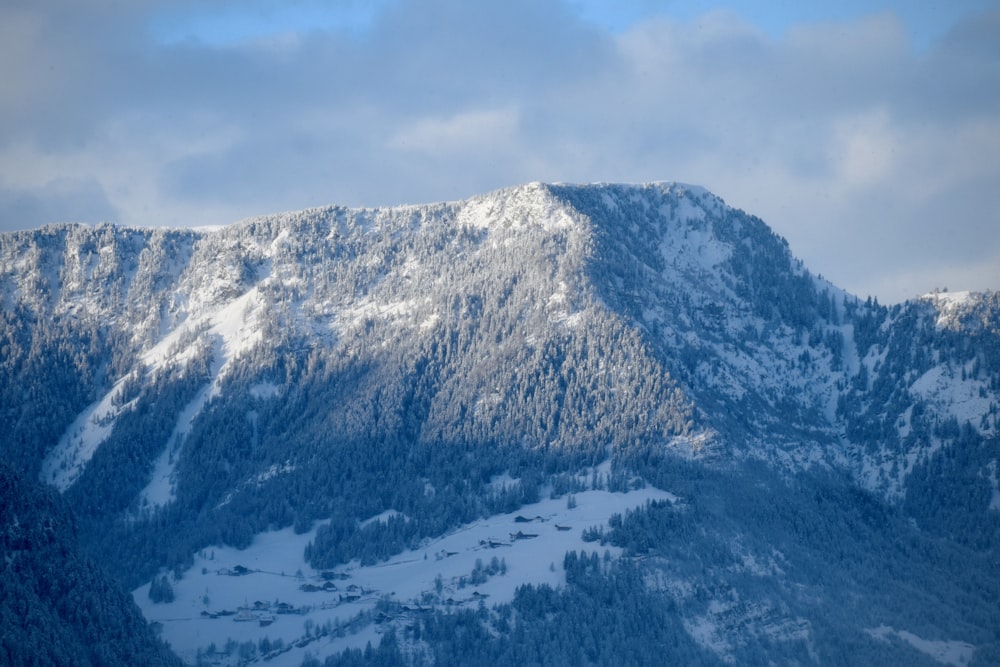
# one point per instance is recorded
(760, 346)
(190, 389)
(278, 573)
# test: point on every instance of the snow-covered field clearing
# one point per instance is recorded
(953, 653)
(530, 543)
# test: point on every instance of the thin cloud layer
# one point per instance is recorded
(878, 161)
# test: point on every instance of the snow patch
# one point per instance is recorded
(699, 445)
(265, 390)
(397, 313)
(558, 305)
(713, 630)
(949, 306)
(64, 464)
(231, 331)
(273, 471)
(952, 395)
(503, 482)
(522, 207)
(161, 488)
(705, 633)
(383, 518)
(233, 328)
(953, 653)
(258, 480)
(430, 322)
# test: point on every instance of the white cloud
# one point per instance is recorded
(864, 149)
(467, 132)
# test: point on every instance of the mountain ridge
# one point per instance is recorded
(318, 368)
(639, 250)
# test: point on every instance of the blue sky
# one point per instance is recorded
(866, 133)
(925, 21)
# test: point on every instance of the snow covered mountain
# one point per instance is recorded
(446, 366)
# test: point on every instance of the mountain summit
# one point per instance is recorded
(440, 365)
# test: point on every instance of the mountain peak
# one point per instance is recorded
(753, 354)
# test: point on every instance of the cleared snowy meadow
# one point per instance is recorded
(530, 543)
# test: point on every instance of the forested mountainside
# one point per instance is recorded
(57, 607)
(833, 462)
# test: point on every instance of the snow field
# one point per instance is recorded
(278, 570)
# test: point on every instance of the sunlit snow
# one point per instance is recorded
(278, 572)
